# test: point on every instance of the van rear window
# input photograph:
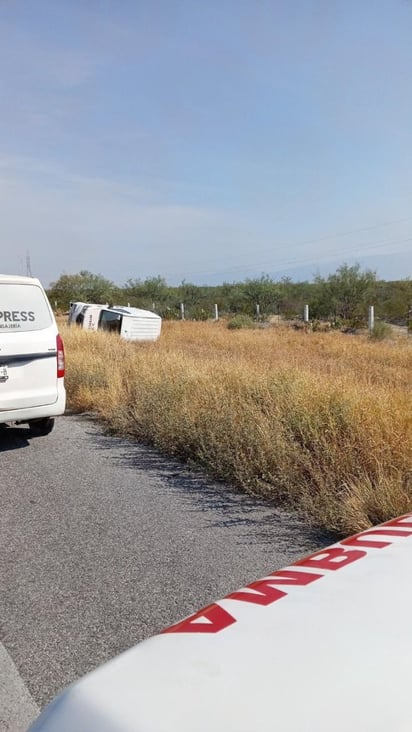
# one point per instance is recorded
(23, 308)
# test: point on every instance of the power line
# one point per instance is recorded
(294, 261)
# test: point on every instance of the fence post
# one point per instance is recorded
(257, 310)
(216, 312)
(182, 310)
(371, 318)
(306, 314)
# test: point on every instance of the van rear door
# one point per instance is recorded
(28, 347)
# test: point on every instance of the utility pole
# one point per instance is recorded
(371, 318)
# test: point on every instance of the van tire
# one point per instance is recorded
(41, 427)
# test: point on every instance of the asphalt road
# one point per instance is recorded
(104, 542)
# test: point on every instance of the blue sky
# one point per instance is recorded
(205, 141)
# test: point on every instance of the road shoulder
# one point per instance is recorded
(17, 708)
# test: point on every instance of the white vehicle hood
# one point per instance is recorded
(325, 645)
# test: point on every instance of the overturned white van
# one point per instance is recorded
(132, 324)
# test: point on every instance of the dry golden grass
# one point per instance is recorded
(318, 421)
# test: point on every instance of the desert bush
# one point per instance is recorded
(241, 321)
(321, 326)
(380, 331)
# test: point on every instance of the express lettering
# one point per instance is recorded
(9, 316)
(215, 618)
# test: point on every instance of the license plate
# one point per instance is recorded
(3, 373)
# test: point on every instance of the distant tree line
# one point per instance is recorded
(342, 297)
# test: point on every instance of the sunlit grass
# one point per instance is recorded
(318, 421)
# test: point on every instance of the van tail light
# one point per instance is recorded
(60, 357)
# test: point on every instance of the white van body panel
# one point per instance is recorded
(91, 317)
(323, 645)
(29, 386)
(77, 309)
(74, 311)
(31, 368)
(135, 324)
(140, 325)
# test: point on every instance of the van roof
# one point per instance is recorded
(134, 312)
(19, 279)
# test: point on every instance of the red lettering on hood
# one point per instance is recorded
(264, 593)
(358, 539)
(211, 619)
(400, 521)
(333, 558)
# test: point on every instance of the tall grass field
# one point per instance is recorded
(320, 422)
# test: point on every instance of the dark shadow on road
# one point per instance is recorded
(225, 506)
(13, 438)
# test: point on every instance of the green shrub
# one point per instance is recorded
(380, 331)
(241, 321)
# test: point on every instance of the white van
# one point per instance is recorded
(31, 356)
(132, 324)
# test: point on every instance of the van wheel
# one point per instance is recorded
(41, 427)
